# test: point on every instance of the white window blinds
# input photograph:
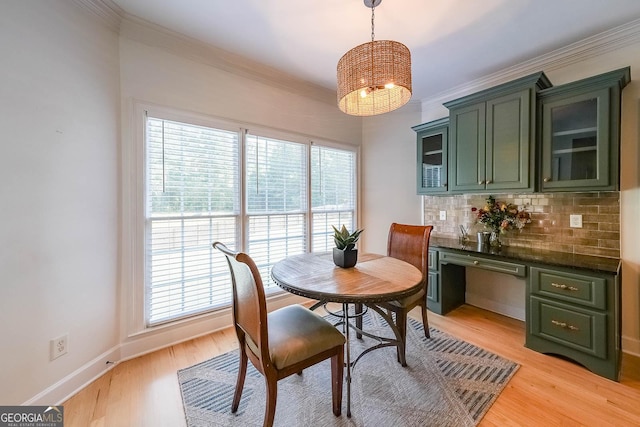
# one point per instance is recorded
(276, 193)
(333, 194)
(195, 194)
(192, 200)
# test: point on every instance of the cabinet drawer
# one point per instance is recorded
(433, 259)
(580, 329)
(485, 263)
(575, 288)
(433, 291)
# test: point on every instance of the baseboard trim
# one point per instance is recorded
(77, 380)
(631, 346)
(141, 344)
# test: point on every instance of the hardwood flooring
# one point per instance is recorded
(546, 390)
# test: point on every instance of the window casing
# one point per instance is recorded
(270, 197)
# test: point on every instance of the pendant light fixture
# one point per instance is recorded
(375, 77)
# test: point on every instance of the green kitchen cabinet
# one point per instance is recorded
(433, 290)
(492, 137)
(580, 133)
(576, 314)
(432, 144)
(446, 286)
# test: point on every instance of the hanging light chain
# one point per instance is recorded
(373, 15)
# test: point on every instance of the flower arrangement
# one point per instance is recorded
(500, 216)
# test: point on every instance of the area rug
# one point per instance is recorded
(448, 382)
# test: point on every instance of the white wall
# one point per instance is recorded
(59, 118)
(388, 175)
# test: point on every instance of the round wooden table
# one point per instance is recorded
(374, 279)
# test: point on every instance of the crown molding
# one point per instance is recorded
(154, 35)
(109, 12)
(590, 47)
(139, 30)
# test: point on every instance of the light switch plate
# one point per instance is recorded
(443, 215)
(575, 221)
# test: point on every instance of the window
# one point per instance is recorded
(276, 193)
(271, 198)
(333, 194)
(192, 201)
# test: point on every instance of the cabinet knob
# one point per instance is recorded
(547, 179)
(480, 182)
(488, 181)
(476, 262)
(444, 185)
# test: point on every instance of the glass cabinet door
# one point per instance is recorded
(575, 141)
(432, 157)
(432, 161)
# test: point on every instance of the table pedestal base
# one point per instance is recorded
(382, 341)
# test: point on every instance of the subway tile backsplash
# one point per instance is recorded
(549, 228)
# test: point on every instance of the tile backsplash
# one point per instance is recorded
(549, 228)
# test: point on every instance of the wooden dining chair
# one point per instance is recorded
(279, 343)
(409, 243)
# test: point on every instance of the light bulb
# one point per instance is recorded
(389, 86)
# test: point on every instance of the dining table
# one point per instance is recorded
(374, 279)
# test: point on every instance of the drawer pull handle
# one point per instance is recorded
(564, 325)
(563, 286)
(476, 262)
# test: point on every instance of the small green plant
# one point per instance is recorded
(344, 240)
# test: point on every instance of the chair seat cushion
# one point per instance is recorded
(408, 301)
(296, 333)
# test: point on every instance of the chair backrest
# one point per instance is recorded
(249, 303)
(410, 243)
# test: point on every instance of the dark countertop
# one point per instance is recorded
(541, 256)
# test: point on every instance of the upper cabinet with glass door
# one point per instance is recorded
(432, 156)
(580, 133)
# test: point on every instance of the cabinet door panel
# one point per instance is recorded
(582, 330)
(433, 293)
(467, 148)
(508, 142)
(433, 140)
(576, 141)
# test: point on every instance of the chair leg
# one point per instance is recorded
(401, 323)
(337, 378)
(272, 397)
(425, 321)
(242, 371)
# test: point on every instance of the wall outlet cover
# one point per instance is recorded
(59, 346)
(443, 215)
(575, 221)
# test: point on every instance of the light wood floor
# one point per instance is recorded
(546, 390)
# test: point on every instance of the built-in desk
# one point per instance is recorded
(572, 301)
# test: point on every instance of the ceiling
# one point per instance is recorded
(452, 42)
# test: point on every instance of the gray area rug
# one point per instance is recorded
(448, 382)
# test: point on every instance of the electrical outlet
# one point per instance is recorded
(59, 346)
(443, 215)
(575, 221)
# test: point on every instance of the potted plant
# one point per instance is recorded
(344, 254)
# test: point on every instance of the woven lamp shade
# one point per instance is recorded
(367, 69)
